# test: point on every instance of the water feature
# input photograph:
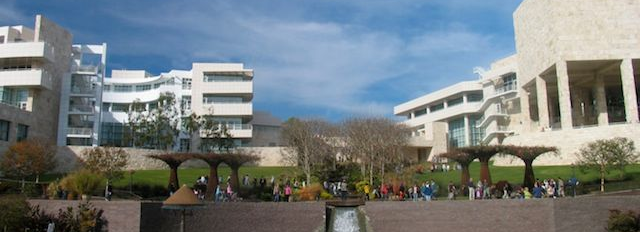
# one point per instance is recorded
(345, 216)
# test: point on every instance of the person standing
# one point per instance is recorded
(472, 189)
(287, 193)
(276, 193)
(343, 190)
(108, 192)
(560, 187)
(367, 191)
(451, 189)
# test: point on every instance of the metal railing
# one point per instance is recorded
(81, 108)
(79, 131)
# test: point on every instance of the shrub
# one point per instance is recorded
(82, 182)
(310, 193)
(13, 213)
(623, 222)
(360, 186)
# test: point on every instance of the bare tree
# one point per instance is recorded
(604, 155)
(309, 142)
(375, 143)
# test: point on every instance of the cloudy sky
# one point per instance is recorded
(320, 58)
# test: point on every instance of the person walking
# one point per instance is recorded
(367, 191)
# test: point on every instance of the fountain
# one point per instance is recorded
(345, 216)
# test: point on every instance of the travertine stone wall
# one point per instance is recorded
(67, 158)
(548, 31)
(568, 142)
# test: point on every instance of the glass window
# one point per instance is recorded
(142, 88)
(477, 134)
(210, 99)
(184, 144)
(186, 83)
(454, 102)
(456, 133)
(4, 130)
(474, 97)
(23, 132)
(436, 107)
(117, 107)
(107, 88)
(122, 88)
(420, 112)
(212, 77)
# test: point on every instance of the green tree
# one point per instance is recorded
(106, 161)
(192, 125)
(137, 122)
(28, 158)
(604, 155)
(216, 136)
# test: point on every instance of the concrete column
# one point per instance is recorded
(464, 98)
(629, 91)
(543, 106)
(576, 102)
(564, 95)
(601, 102)
(467, 131)
(413, 114)
(524, 107)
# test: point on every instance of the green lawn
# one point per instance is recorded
(188, 176)
(511, 174)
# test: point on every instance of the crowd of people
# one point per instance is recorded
(282, 190)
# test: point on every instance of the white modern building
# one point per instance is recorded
(57, 92)
(574, 79)
(223, 91)
(33, 63)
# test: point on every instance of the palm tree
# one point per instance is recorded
(527, 155)
(192, 125)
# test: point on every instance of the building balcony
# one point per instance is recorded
(81, 109)
(78, 132)
(241, 87)
(27, 50)
(230, 109)
(31, 77)
(420, 141)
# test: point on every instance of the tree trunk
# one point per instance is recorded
(235, 182)
(464, 176)
(173, 177)
(529, 176)
(213, 180)
(371, 173)
(485, 174)
(602, 173)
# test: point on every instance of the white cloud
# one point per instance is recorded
(301, 61)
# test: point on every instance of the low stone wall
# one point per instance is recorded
(568, 214)
(263, 216)
(122, 216)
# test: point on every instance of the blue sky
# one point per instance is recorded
(324, 58)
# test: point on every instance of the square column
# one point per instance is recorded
(601, 101)
(564, 95)
(629, 91)
(543, 106)
(467, 131)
